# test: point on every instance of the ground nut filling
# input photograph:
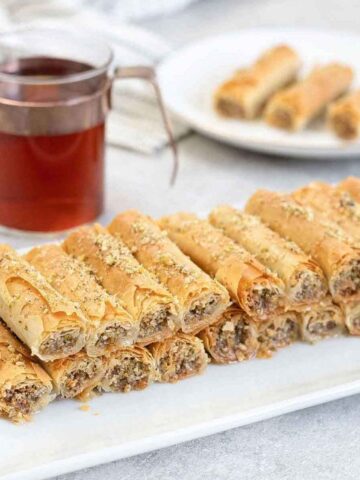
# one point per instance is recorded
(60, 343)
(264, 300)
(201, 309)
(129, 374)
(112, 335)
(155, 323)
(347, 282)
(275, 337)
(79, 378)
(308, 286)
(235, 341)
(181, 361)
(24, 398)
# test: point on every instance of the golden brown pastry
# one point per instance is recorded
(321, 321)
(343, 116)
(278, 332)
(179, 357)
(334, 204)
(128, 368)
(233, 338)
(75, 375)
(25, 387)
(293, 108)
(246, 93)
(303, 278)
(108, 323)
(201, 299)
(325, 243)
(352, 186)
(249, 283)
(120, 274)
(351, 311)
(50, 325)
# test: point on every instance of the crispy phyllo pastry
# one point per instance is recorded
(326, 243)
(343, 116)
(334, 204)
(321, 321)
(351, 312)
(249, 283)
(179, 357)
(152, 306)
(246, 93)
(75, 375)
(25, 387)
(277, 332)
(50, 325)
(304, 281)
(201, 299)
(128, 368)
(233, 338)
(352, 186)
(293, 108)
(108, 323)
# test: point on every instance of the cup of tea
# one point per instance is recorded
(55, 93)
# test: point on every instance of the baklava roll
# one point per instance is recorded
(304, 280)
(128, 368)
(321, 321)
(343, 116)
(179, 357)
(152, 306)
(76, 374)
(246, 93)
(352, 186)
(335, 205)
(201, 299)
(351, 312)
(326, 244)
(277, 332)
(250, 284)
(108, 323)
(50, 325)
(25, 387)
(233, 338)
(293, 108)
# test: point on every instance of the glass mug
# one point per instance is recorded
(55, 91)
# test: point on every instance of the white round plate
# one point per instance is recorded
(189, 77)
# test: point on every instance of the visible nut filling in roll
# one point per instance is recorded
(154, 323)
(347, 281)
(322, 322)
(60, 342)
(201, 308)
(306, 284)
(23, 398)
(232, 339)
(278, 332)
(264, 300)
(76, 380)
(112, 334)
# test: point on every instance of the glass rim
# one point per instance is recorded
(69, 78)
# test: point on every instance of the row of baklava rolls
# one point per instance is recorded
(118, 308)
(269, 88)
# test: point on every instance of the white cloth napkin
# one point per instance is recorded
(135, 122)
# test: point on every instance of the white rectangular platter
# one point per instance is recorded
(64, 438)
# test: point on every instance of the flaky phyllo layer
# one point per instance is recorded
(128, 368)
(25, 387)
(107, 322)
(201, 299)
(233, 338)
(250, 284)
(49, 324)
(110, 260)
(179, 357)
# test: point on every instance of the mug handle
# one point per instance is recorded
(149, 74)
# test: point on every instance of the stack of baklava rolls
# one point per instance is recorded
(115, 309)
(270, 88)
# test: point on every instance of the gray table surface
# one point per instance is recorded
(320, 442)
